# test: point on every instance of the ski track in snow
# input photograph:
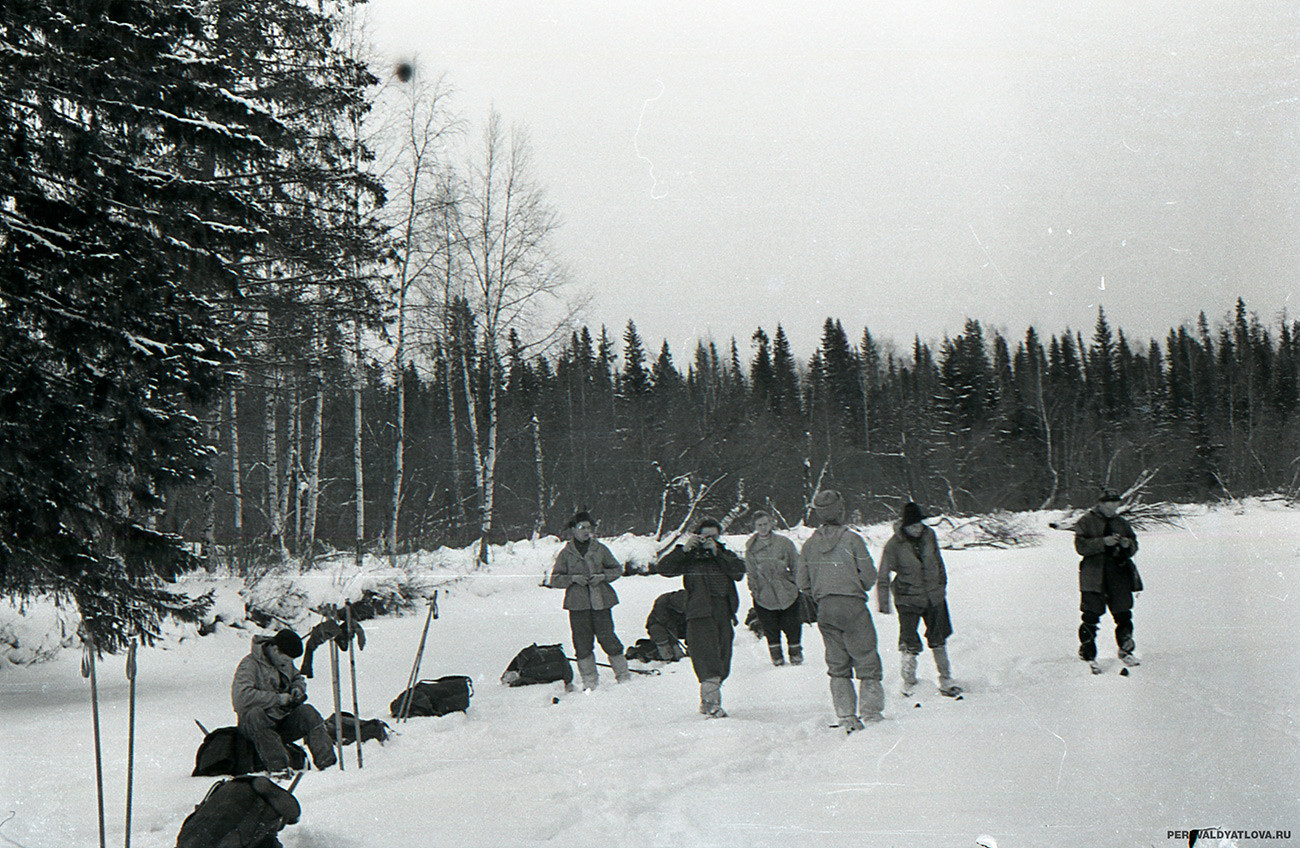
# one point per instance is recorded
(1039, 753)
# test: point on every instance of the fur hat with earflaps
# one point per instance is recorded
(288, 643)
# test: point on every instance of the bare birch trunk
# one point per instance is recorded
(1047, 435)
(236, 473)
(359, 490)
(459, 501)
(489, 468)
(471, 404)
(399, 449)
(541, 478)
(271, 450)
(212, 430)
(313, 473)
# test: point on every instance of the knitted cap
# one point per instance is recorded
(828, 504)
(912, 514)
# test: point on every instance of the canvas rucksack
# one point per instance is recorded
(538, 664)
(228, 751)
(241, 812)
(371, 728)
(434, 697)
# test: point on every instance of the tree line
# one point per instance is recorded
(976, 422)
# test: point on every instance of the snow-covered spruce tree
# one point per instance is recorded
(114, 238)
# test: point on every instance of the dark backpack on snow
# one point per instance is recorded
(538, 664)
(371, 728)
(242, 812)
(435, 697)
(227, 751)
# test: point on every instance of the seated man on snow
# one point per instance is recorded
(270, 698)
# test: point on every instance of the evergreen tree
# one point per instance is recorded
(116, 243)
(635, 380)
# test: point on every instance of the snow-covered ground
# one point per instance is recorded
(1039, 753)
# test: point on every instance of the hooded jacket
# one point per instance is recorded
(912, 571)
(1089, 531)
(597, 560)
(259, 682)
(772, 565)
(835, 561)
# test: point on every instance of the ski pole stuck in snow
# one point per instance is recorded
(405, 710)
(88, 671)
(130, 738)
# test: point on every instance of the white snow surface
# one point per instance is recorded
(1039, 752)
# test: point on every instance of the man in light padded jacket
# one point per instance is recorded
(836, 570)
(771, 564)
(270, 698)
(584, 568)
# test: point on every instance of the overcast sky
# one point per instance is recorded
(721, 166)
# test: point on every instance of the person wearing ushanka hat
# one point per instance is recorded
(584, 568)
(836, 570)
(1107, 576)
(912, 575)
(270, 698)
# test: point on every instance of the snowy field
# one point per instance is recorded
(1039, 753)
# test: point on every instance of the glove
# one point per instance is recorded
(578, 579)
(595, 578)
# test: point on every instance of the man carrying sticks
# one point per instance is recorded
(270, 698)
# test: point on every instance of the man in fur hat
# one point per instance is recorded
(912, 575)
(1107, 576)
(836, 570)
(270, 698)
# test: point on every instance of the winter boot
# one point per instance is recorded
(907, 668)
(1126, 649)
(1087, 642)
(796, 654)
(777, 657)
(711, 698)
(666, 652)
(590, 674)
(618, 662)
(871, 699)
(946, 686)
(845, 701)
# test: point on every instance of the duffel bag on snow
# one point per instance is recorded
(538, 664)
(435, 697)
(371, 728)
(242, 812)
(227, 751)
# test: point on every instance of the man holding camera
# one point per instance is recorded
(270, 698)
(709, 573)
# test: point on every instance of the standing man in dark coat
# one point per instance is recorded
(1107, 576)
(710, 573)
(913, 575)
(270, 698)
